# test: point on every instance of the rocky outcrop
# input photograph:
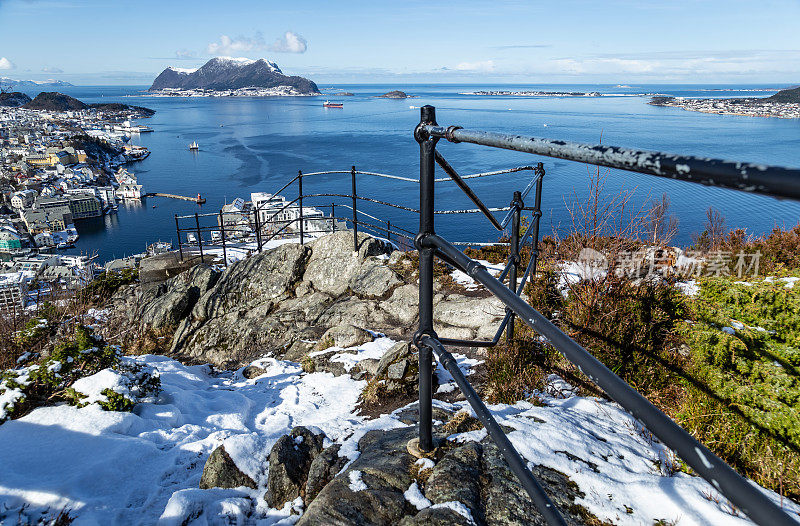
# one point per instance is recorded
(289, 465)
(220, 471)
(469, 484)
(292, 300)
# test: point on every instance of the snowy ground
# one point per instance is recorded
(144, 467)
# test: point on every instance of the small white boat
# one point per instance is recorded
(194, 146)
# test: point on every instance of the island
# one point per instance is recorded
(395, 94)
(231, 77)
(784, 105)
(58, 102)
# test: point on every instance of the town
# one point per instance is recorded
(748, 107)
(58, 168)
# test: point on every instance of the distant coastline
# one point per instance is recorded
(783, 105)
(533, 93)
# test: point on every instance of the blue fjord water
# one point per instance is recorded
(257, 144)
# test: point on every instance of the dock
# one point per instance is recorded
(199, 200)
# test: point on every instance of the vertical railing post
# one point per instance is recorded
(355, 219)
(222, 233)
(258, 229)
(333, 217)
(300, 200)
(427, 150)
(199, 237)
(537, 214)
(178, 231)
(517, 205)
(388, 230)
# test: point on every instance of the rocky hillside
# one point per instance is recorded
(283, 299)
(223, 73)
(54, 101)
(13, 99)
(306, 410)
(787, 95)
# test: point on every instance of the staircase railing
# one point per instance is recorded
(768, 180)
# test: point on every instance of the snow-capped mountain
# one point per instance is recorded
(227, 73)
(5, 81)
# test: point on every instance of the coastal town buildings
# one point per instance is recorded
(12, 292)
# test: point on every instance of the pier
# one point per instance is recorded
(199, 200)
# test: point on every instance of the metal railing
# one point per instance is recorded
(774, 181)
(256, 226)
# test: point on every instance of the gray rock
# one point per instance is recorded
(251, 371)
(436, 517)
(221, 472)
(397, 370)
(385, 467)
(334, 264)
(167, 304)
(374, 280)
(345, 336)
(323, 468)
(473, 313)
(289, 463)
(369, 366)
(233, 321)
(397, 351)
(457, 478)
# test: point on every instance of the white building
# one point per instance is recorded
(23, 199)
(13, 289)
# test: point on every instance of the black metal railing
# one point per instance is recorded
(775, 181)
(252, 229)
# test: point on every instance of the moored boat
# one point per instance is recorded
(194, 146)
(329, 104)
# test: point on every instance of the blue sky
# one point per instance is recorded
(568, 41)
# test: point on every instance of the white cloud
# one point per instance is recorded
(291, 42)
(228, 46)
(48, 69)
(486, 65)
(6, 64)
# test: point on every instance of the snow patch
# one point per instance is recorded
(356, 484)
(414, 496)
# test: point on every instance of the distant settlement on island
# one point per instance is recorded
(58, 168)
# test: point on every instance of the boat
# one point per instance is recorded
(64, 245)
(329, 104)
(159, 247)
(200, 200)
(194, 146)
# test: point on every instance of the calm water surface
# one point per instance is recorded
(249, 144)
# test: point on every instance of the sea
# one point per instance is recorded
(258, 144)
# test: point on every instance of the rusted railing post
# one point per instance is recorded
(517, 206)
(222, 233)
(427, 152)
(300, 200)
(258, 229)
(199, 236)
(355, 219)
(333, 217)
(178, 231)
(537, 215)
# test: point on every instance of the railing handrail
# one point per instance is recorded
(775, 181)
(770, 180)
